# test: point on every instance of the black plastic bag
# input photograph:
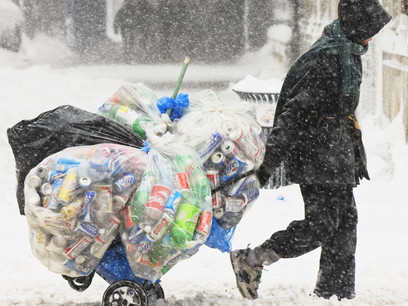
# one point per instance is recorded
(54, 130)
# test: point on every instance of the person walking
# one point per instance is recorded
(316, 142)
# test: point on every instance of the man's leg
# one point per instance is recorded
(303, 236)
(337, 262)
(300, 237)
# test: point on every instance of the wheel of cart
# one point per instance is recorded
(124, 287)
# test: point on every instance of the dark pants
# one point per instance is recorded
(330, 223)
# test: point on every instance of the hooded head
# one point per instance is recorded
(362, 19)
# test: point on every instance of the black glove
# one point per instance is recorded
(263, 176)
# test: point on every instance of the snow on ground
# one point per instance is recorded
(28, 88)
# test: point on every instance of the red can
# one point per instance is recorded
(127, 216)
(182, 181)
(204, 223)
(156, 202)
(214, 178)
(161, 227)
(80, 245)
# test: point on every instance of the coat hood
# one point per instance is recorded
(362, 19)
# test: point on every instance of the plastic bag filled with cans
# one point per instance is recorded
(229, 143)
(74, 203)
(134, 105)
(170, 215)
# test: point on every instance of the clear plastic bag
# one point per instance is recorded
(170, 216)
(52, 131)
(74, 202)
(134, 105)
(229, 143)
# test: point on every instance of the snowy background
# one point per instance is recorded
(33, 81)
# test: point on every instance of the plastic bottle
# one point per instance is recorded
(129, 117)
(196, 176)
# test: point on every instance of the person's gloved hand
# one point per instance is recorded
(263, 176)
(176, 106)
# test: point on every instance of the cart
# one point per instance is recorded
(124, 287)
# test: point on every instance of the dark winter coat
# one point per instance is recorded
(315, 138)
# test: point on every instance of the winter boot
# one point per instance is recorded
(248, 277)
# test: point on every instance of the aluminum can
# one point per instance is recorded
(182, 181)
(85, 182)
(34, 181)
(42, 171)
(88, 229)
(214, 179)
(109, 232)
(161, 227)
(119, 201)
(173, 202)
(61, 226)
(204, 225)
(71, 210)
(46, 189)
(184, 224)
(125, 183)
(88, 211)
(217, 159)
(68, 187)
(209, 146)
(232, 168)
(248, 144)
(81, 244)
(136, 234)
(156, 202)
(248, 186)
(145, 244)
(53, 202)
(228, 148)
(235, 204)
(127, 217)
(103, 201)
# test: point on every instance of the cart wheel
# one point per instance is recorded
(125, 293)
(154, 292)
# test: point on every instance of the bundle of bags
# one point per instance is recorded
(158, 198)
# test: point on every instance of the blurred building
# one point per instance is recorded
(154, 31)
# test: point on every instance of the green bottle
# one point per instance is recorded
(196, 176)
(124, 114)
(142, 195)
